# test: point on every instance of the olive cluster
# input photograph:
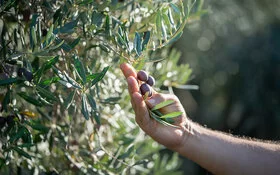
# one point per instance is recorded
(148, 80)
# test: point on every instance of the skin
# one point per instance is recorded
(217, 152)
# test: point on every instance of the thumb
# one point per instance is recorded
(156, 99)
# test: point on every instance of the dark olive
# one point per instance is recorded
(20, 71)
(28, 75)
(150, 81)
(145, 88)
(142, 76)
(2, 121)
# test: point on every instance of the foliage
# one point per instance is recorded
(63, 97)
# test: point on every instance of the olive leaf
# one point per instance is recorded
(163, 104)
(172, 115)
(162, 121)
(165, 119)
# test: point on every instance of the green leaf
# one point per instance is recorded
(17, 135)
(146, 39)
(107, 26)
(171, 19)
(48, 82)
(137, 44)
(6, 101)
(8, 81)
(163, 104)
(163, 29)
(121, 40)
(167, 23)
(80, 69)
(174, 38)
(69, 99)
(158, 119)
(66, 80)
(91, 101)
(92, 76)
(56, 46)
(30, 99)
(171, 115)
(46, 94)
(2, 162)
(74, 43)
(100, 76)
(27, 136)
(85, 110)
(51, 60)
(97, 18)
(26, 145)
(33, 36)
(104, 48)
(93, 109)
(49, 36)
(127, 153)
(175, 8)
(21, 152)
(68, 27)
(158, 24)
(97, 118)
(111, 100)
(39, 127)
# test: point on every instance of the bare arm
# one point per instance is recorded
(215, 151)
(224, 154)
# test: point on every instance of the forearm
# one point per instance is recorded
(224, 154)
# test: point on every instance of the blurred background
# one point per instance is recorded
(234, 52)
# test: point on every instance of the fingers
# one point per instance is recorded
(141, 111)
(132, 85)
(128, 70)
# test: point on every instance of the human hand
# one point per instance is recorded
(171, 137)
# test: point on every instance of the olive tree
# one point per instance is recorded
(64, 104)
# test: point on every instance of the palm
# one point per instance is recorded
(171, 137)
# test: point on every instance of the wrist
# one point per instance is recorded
(191, 134)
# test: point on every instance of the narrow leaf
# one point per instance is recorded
(146, 39)
(74, 43)
(175, 8)
(46, 94)
(56, 46)
(21, 152)
(49, 35)
(163, 29)
(162, 104)
(137, 44)
(85, 110)
(8, 81)
(91, 102)
(171, 19)
(100, 76)
(6, 101)
(97, 118)
(172, 115)
(156, 117)
(97, 18)
(38, 126)
(33, 36)
(107, 26)
(30, 99)
(80, 69)
(68, 27)
(69, 99)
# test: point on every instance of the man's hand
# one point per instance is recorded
(171, 137)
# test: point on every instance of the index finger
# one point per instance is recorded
(128, 70)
